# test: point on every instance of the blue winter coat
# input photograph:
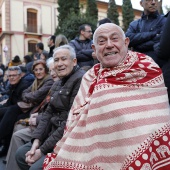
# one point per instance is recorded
(145, 33)
(83, 51)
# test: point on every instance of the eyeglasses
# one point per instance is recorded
(152, 0)
(38, 70)
(88, 31)
(12, 75)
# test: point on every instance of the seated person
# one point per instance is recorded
(23, 135)
(51, 126)
(29, 78)
(120, 117)
(31, 97)
(16, 86)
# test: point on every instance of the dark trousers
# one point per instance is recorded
(20, 158)
(8, 117)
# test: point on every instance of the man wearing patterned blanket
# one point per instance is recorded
(120, 117)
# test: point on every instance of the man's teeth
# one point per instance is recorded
(111, 53)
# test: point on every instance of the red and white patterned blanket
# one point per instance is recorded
(119, 120)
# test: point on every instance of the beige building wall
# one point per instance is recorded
(16, 16)
(13, 24)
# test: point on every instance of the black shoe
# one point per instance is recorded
(3, 150)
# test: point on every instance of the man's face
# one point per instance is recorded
(13, 77)
(110, 45)
(87, 33)
(49, 42)
(63, 63)
(149, 6)
(36, 48)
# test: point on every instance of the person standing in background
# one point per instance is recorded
(82, 46)
(51, 45)
(145, 33)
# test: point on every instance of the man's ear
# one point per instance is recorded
(141, 3)
(93, 47)
(75, 61)
(127, 41)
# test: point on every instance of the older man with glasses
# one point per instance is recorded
(17, 86)
(82, 45)
(145, 32)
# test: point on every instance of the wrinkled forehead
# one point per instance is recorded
(106, 29)
(61, 52)
(12, 71)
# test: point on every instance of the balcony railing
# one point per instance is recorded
(33, 29)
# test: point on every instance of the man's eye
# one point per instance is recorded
(64, 58)
(101, 41)
(114, 38)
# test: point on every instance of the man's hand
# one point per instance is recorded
(32, 120)
(33, 158)
(32, 151)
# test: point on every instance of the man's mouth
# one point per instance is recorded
(110, 53)
(61, 69)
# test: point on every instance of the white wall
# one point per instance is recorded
(18, 45)
(17, 16)
(46, 20)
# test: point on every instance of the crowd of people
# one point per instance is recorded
(91, 103)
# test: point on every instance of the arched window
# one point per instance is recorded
(32, 20)
(31, 46)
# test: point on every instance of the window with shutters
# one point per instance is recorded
(32, 20)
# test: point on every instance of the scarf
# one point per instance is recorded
(119, 120)
(38, 83)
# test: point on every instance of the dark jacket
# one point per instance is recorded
(15, 92)
(164, 54)
(5, 88)
(51, 51)
(38, 95)
(83, 51)
(51, 126)
(145, 33)
(29, 78)
(29, 66)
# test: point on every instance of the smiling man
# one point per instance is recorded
(17, 85)
(145, 32)
(120, 117)
(51, 126)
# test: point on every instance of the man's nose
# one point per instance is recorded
(153, 1)
(109, 43)
(60, 62)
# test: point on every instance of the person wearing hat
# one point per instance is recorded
(16, 61)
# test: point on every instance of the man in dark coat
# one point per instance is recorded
(164, 54)
(51, 45)
(145, 32)
(17, 86)
(82, 46)
(51, 126)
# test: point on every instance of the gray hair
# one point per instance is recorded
(1, 72)
(15, 68)
(49, 61)
(66, 47)
(103, 25)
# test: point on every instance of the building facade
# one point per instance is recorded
(23, 23)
